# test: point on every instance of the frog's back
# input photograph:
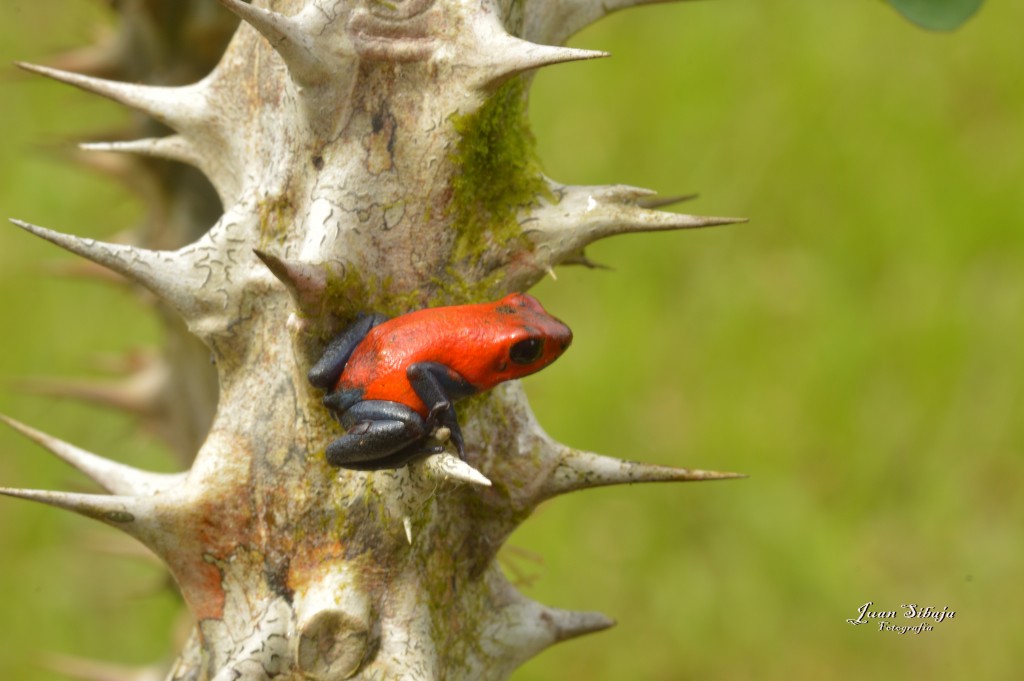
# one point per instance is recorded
(472, 340)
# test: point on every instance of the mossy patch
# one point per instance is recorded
(454, 289)
(351, 291)
(496, 174)
(276, 216)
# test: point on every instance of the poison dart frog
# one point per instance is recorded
(392, 382)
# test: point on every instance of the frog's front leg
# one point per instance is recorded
(378, 435)
(439, 386)
(326, 372)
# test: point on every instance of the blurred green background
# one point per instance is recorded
(855, 349)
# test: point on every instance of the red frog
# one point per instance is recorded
(391, 382)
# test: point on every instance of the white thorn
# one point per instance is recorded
(122, 512)
(127, 170)
(172, 148)
(532, 55)
(178, 148)
(582, 215)
(275, 27)
(407, 524)
(447, 466)
(116, 478)
(305, 281)
(175, 107)
(578, 470)
(287, 37)
(614, 193)
(551, 273)
(618, 209)
(567, 624)
(167, 274)
(525, 627)
(579, 215)
(507, 56)
(654, 202)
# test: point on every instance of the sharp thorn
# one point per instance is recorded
(122, 512)
(169, 105)
(162, 273)
(128, 170)
(114, 477)
(535, 55)
(614, 193)
(537, 626)
(567, 624)
(656, 221)
(447, 466)
(578, 470)
(698, 221)
(508, 56)
(276, 28)
(306, 282)
(407, 524)
(172, 148)
(288, 38)
(654, 202)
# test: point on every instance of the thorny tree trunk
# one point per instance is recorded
(368, 155)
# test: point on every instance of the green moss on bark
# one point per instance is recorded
(497, 174)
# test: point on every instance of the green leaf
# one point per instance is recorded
(937, 15)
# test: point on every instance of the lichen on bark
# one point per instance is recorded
(368, 156)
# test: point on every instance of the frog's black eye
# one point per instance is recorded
(526, 351)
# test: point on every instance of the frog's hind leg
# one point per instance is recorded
(396, 460)
(341, 401)
(376, 431)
